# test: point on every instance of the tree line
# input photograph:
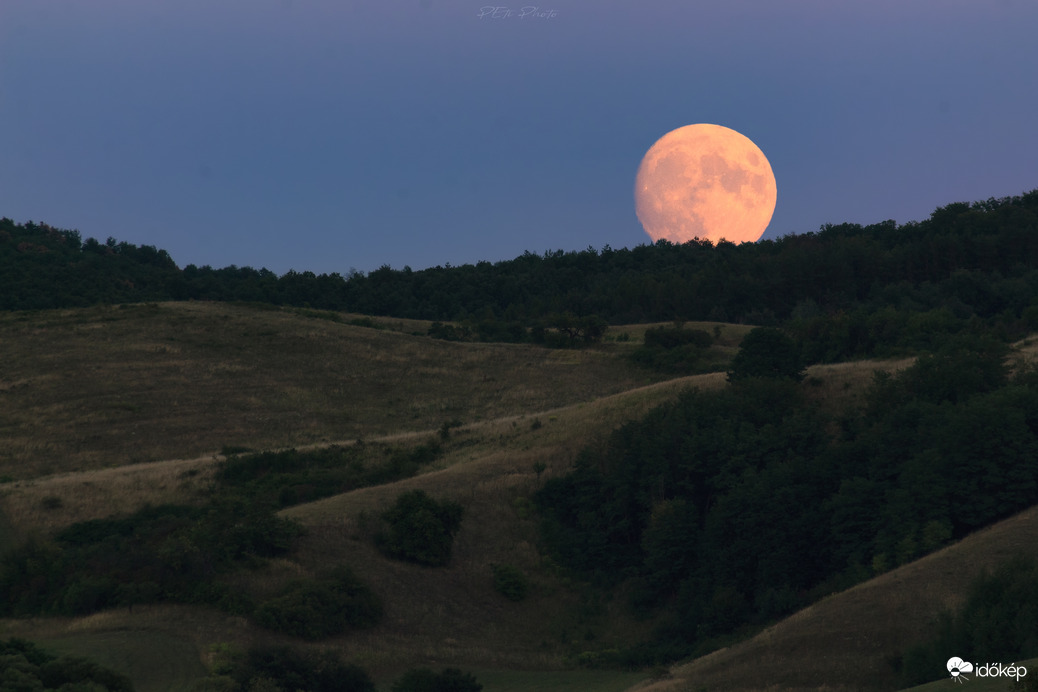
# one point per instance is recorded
(846, 290)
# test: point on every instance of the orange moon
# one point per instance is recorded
(705, 181)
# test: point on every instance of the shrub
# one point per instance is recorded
(510, 582)
(52, 502)
(672, 337)
(323, 608)
(673, 349)
(286, 669)
(292, 476)
(566, 330)
(26, 667)
(449, 332)
(420, 529)
(172, 552)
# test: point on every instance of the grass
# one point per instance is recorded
(109, 386)
(154, 661)
(556, 680)
(54, 502)
(842, 386)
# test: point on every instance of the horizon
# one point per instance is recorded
(352, 271)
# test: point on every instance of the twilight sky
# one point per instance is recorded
(328, 134)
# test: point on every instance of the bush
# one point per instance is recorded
(673, 349)
(766, 352)
(678, 360)
(510, 582)
(566, 330)
(171, 552)
(420, 529)
(25, 667)
(672, 337)
(320, 609)
(282, 668)
(424, 680)
(292, 476)
(449, 332)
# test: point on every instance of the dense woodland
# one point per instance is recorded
(844, 291)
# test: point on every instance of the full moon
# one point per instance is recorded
(705, 181)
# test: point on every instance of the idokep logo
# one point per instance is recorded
(957, 668)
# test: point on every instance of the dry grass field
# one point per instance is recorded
(108, 386)
(105, 410)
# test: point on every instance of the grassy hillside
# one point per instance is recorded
(107, 386)
(107, 409)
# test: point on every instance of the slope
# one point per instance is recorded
(851, 640)
(106, 386)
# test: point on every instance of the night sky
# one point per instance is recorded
(329, 135)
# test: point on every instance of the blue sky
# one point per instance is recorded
(325, 135)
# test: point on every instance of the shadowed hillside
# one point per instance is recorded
(851, 640)
(108, 386)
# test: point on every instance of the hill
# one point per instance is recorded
(107, 386)
(197, 379)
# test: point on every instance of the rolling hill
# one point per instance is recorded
(108, 409)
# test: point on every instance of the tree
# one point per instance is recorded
(767, 352)
(421, 529)
(322, 608)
